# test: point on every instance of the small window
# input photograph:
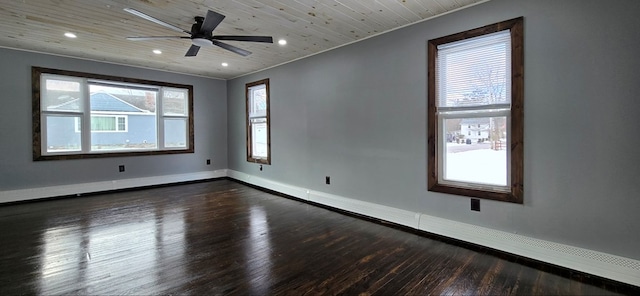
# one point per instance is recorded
(476, 79)
(82, 115)
(258, 132)
(105, 123)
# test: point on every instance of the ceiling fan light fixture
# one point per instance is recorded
(201, 42)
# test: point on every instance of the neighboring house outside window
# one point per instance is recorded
(110, 117)
(475, 99)
(258, 122)
(477, 129)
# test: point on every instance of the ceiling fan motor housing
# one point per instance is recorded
(198, 38)
(195, 28)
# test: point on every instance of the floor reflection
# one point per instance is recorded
(258, 253)
(170, 244)
(60, 247)
(79, 257)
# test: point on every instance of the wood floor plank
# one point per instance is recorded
(225, 238)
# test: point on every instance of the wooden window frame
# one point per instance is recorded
(250, 157)
(515, 194)
(38, 155)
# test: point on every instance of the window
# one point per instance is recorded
(81, 115)
(476, 78)
(105, 123)
(258, 134)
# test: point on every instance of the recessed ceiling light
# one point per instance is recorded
(157, 51)
(70, 35)
(225, 64)
(282, 42)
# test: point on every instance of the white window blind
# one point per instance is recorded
(475, 72)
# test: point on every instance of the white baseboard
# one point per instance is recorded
(394, 215)
(605, 265)
(609, 266)
(294, 191)
(73, 189)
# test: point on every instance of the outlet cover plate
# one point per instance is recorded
(475, 204)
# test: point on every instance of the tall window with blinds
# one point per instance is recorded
(475, 110)
(258, 134)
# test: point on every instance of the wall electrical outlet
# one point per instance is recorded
(121, 168)
(327, 180)
(475, 204)
(208, 161)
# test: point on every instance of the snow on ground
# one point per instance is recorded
(478, 166)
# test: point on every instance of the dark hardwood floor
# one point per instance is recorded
(222, 237)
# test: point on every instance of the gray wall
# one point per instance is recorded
(19, 171)
(358, 114)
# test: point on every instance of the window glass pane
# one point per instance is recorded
(258, 101)
(113, 98)
(475, 150)
(175, 132)
(122, 118)
(63, 133)
(259, 138)
(122, 123)
(475, 71)
(140, 135)
(61, 94)
(175, 102)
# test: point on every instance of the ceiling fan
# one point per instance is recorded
(201, 33)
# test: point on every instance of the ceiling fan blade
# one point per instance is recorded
(155, 20)
(232, 48)
(142, 38)
(211, 21)
(193, 51)
(265, 39)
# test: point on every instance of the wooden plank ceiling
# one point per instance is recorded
(101, 26)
